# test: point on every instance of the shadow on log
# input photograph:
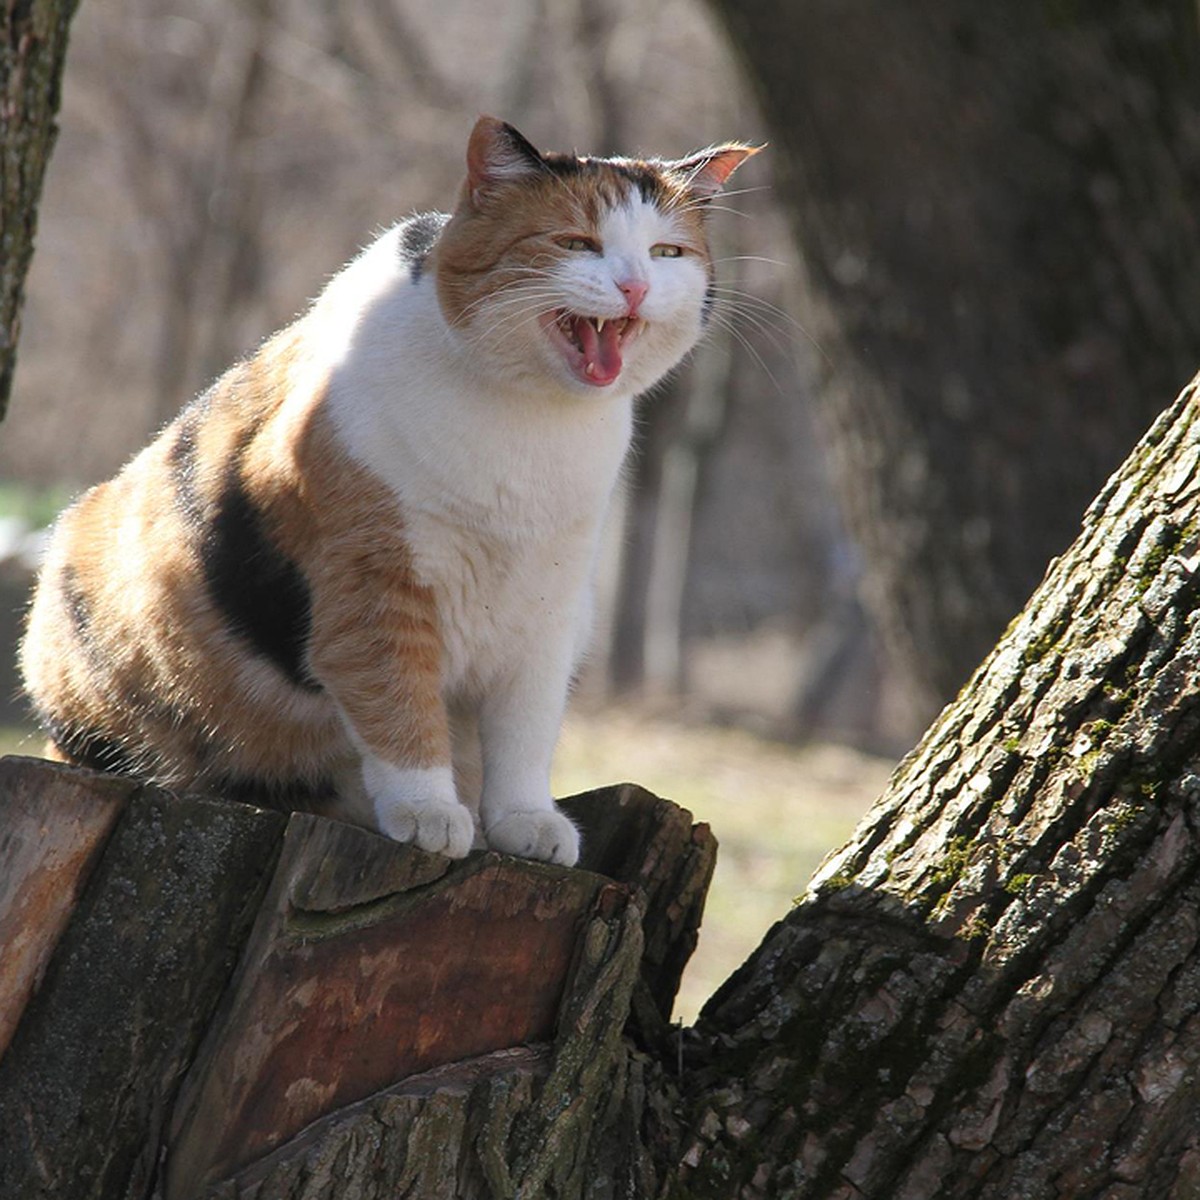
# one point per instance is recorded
(207, 999)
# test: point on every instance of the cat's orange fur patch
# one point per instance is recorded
(151, 623)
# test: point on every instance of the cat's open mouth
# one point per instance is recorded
(593, 346)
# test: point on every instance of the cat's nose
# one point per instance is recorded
(634, 291)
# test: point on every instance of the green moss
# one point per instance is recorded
(1018, 883)
(1149, 569)
(1174, 538)
(1121, 816)
(954, 862)
(1041, 647)
(1141, 788)
(976, 928)
(835, 883)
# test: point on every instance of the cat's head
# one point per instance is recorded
(589, 273)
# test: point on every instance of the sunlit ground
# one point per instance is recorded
(775, 811)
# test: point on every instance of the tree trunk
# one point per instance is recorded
(995, 206)
(32, 52)
(993, 991)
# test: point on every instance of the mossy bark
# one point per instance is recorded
(33, 50)
(992, 989)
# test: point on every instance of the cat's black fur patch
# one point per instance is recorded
(78, 610)
(282, 796)
(261, 592)
(643, 176)
(417, 237)
(86, 747)
(182, 465)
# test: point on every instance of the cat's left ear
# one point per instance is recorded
(706, 171)
(497, 153)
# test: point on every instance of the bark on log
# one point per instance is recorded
(92, 1068)
(206, 998)
(33, 47)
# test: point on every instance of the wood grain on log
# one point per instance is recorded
(55, 825)
(369, 963)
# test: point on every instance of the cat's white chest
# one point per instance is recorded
(507, 539)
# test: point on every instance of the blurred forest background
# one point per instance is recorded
(219, 160)
(957, 288)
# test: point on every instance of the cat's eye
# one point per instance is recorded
(666, 250)
(577, 242)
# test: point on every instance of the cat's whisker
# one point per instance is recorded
(781, 338)
(514, 298)
(511, 312)
(760, 258)
(748, 346)
(773, 323)
(763, 309)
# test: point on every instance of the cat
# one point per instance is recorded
(379, 531)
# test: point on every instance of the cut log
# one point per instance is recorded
(221, 997)
(370, 963)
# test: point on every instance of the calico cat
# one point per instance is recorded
(380, 529)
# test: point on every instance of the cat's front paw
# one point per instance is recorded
(418, 805)
(544, 834)
(440, 828)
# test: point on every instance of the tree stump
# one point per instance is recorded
(205, 998)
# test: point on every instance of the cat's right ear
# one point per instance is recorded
(497, 154)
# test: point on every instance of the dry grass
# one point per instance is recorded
(776, 812)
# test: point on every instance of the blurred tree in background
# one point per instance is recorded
(996, 206)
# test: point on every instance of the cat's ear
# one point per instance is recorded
(497, 153)
(706, 171)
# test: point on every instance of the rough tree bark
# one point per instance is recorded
(993, 991)
(995, 207)
(33, 47)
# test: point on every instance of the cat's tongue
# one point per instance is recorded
(601, 351)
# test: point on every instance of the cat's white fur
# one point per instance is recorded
(504, 466)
